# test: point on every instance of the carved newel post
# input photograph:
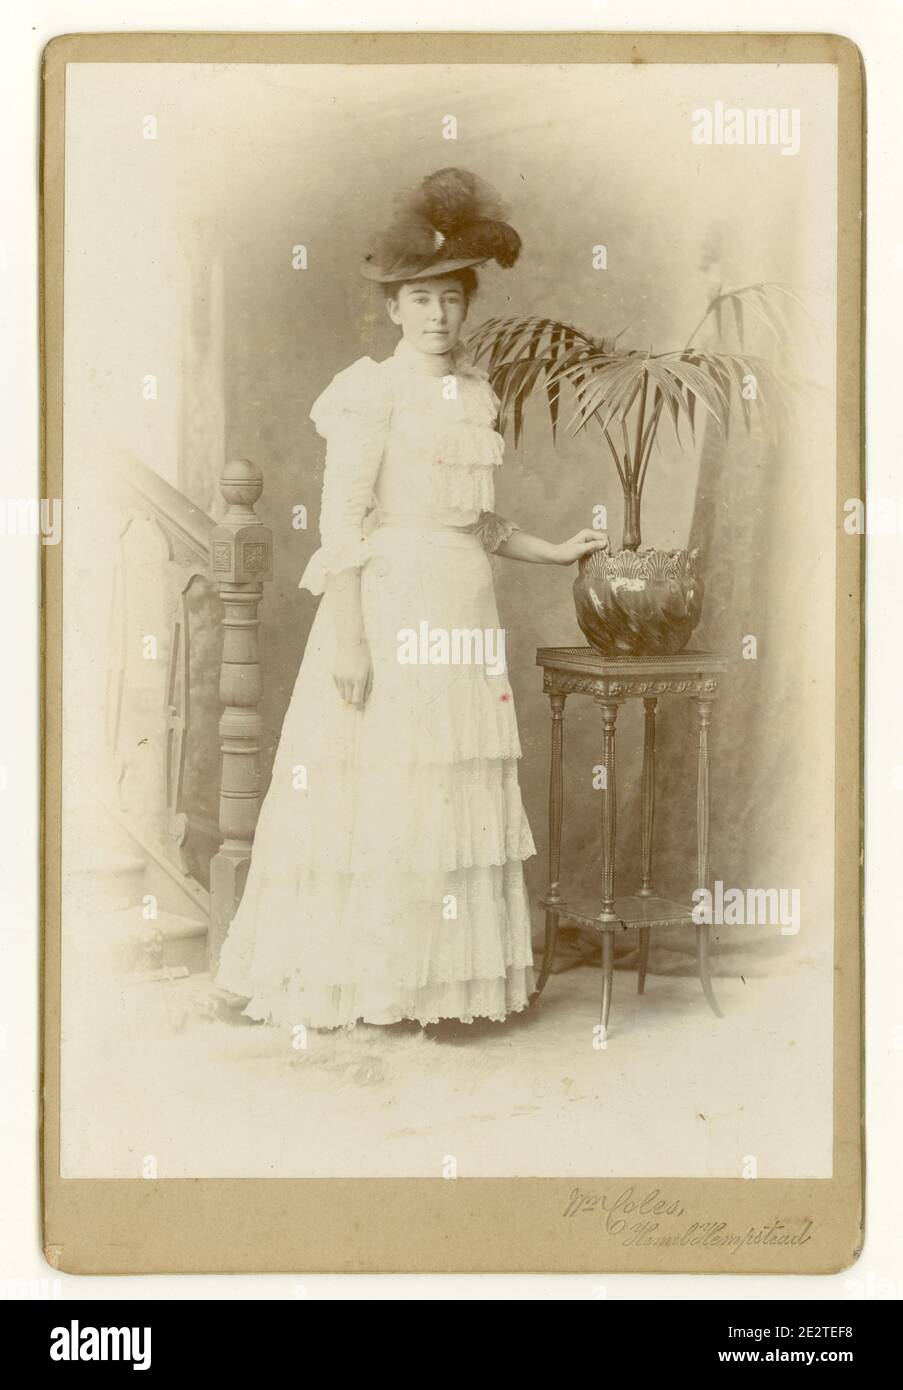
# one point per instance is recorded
(241, 554)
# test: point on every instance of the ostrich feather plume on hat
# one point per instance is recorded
(451, 220)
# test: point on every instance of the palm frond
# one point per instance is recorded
(543, 344)
(762, 300)
(625, 391)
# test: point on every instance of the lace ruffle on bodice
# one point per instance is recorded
(402, 443)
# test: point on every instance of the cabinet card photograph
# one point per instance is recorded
(453, 541)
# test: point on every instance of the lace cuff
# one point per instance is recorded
(332, 559)
(493, 530)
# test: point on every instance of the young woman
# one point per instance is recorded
(386, 881)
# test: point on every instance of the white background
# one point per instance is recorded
(877, 27)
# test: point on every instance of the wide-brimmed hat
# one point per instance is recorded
(452, 220)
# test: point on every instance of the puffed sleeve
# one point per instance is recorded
(352, 415)
(493, 530)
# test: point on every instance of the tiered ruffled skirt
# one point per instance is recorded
(386, 881)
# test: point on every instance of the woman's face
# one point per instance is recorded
(430, 313)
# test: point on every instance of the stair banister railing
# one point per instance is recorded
(241, 560)
(138, 502)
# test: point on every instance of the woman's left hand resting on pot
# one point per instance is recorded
(520, 546)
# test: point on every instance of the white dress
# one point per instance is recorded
(386, 880)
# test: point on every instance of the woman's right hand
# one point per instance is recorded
(353, 672)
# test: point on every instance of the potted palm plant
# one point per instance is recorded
(637, 600)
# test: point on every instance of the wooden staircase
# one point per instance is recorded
(181, 786)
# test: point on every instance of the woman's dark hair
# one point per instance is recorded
(467, 279)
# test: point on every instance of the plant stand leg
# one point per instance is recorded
(608, 961)
(644, 960)
(609, 710)
(702, 951)
(556, 802)
(648, 813)
(704, 711)
(648, 819)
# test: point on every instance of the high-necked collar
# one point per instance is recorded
(407, 356)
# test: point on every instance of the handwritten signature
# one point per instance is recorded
(635, 1218)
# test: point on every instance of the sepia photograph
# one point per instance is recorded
(450, 693)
